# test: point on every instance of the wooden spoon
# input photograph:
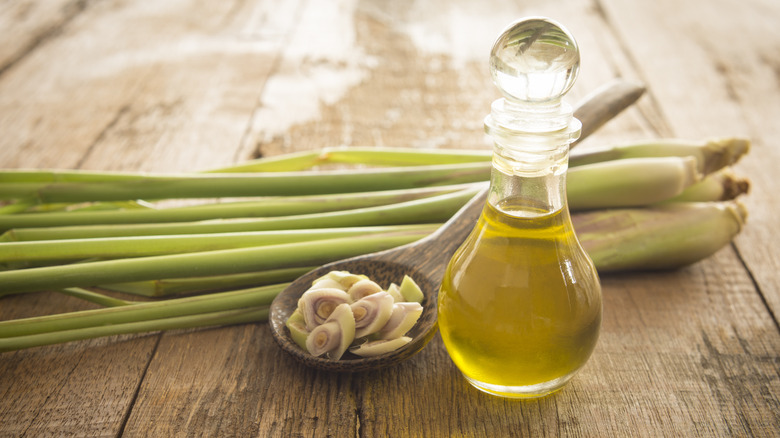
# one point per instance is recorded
(425, 261)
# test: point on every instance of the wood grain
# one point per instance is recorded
(187, 85)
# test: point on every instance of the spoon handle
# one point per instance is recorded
(432, 253)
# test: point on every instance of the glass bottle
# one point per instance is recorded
(520, 304)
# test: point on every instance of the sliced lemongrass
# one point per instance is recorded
(297, 326)
(404, 317)
(316, 305)
(410, 291)
(345, 279)
(326, 283)
(382, 346)
(395, 292)
(333, 337)
(363, 288)
(371, 313)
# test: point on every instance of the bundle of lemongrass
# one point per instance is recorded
(645, 205)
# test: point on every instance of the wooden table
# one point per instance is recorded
(186, 85)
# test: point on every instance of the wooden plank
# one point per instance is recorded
(156, 92)
(85, 388)
(28, 24)
(234, 381)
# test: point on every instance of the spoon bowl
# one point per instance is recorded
(424, 261)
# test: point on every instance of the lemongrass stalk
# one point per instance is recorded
(215, 185)
(370, 156)
(274, 206)
(252, 297)
(722, 185)
(434, 209)
(629, 182)
(289, 162)
(15, 207)
(183, 286)
(661, 237)
(710, 155)
(40, 176)
(221, 262)
(141, 246)
(86, 206)
(228, 317)
(94, 297)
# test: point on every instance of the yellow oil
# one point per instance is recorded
(520, 303)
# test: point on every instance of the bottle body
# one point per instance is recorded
(520, 302)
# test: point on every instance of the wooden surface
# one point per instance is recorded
(186, 85)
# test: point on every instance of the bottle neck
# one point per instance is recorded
(530, 155)
(529, 184)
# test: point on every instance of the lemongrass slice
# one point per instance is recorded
(395, 292)
(318, 304)
(346, 279)
(363, 288)
(327, 283)
(410, 290)
(375, 348)
(404, 316)
(372, 313)
(297, 326)
(333, 336)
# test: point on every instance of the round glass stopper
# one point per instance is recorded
(535, 60)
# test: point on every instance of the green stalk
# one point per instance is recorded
(216, 185)
(222, 262)
(15, 207)
(94, 297)
(722, 185)
(370, 156)
(120, 247)
(22, 176)
(629, 182)
(259, 296)
(179, 286)
(434, 209)
(710, 155)
(661, 237)
(228, 317)
(290, 162)
(276, 206)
